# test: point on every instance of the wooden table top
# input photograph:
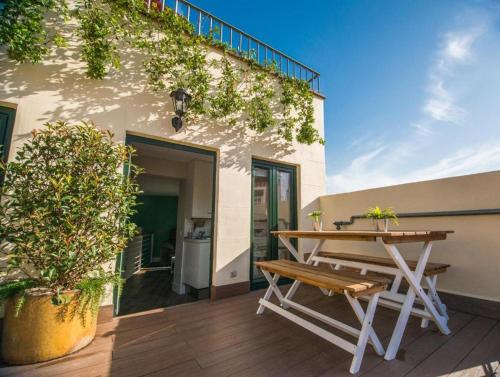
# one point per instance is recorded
(389, 237)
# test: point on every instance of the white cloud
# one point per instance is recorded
(441, 104)
(370, 171)
(456, 95)
(422, 129)
(457, 49)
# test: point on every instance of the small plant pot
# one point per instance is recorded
(318, 226)
(382, 225)
(43, 331)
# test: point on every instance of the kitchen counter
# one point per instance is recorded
(197, 240)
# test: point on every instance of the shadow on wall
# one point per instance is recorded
(58, 89)
(239, 265)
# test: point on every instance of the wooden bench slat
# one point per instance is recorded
(430, 268)
(338, 282)
(348, 276)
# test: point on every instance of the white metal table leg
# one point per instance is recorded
(291, 292)
(291, 248)
(366, 332)
(415, 289)
(432, 283)
(268, 294)
(358, 310)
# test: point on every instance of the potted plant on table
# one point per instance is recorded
(381, 217)
(316, 220)
(65, 214)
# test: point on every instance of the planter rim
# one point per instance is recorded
(39, 292)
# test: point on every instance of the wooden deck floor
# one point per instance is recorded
(226, 338)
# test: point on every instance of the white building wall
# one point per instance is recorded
(122, 102)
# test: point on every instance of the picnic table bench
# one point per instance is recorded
(349, 284)
(365, 282)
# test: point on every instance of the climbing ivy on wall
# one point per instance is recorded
(174, 56)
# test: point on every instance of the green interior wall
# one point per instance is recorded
(157, 215)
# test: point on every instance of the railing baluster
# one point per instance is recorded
(199, 23)
(291, 65)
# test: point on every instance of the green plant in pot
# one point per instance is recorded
(316, 220)
(65, 215)
(381, 217)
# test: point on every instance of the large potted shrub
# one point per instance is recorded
(64, 215)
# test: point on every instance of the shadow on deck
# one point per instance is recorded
(226, 338)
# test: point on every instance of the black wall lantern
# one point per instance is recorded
(180, 100)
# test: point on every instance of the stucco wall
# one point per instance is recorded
(473, 251)
(57, 89)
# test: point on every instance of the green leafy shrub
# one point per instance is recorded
(66, 211)
(376, 213)
(315, 215)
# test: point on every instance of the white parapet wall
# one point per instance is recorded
(473, 250)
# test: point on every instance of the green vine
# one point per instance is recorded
(25, 32)
(259, 108)
(227, 101)
(99, 48)
(174, 56)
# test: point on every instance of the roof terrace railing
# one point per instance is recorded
(239, 42)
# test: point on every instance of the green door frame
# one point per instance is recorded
(273, 169)
(130, 138)
(7, 118)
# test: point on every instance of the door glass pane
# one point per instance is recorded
(284, 209)
(261, 236)
(3, 130)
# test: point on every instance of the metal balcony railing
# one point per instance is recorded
(239, 42)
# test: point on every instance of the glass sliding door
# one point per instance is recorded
(260, 218)
(273, 208)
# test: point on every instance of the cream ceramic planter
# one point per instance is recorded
(317, 225)
(382, 225)
(42, 331)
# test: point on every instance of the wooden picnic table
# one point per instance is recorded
(390, 237)
(434, 309)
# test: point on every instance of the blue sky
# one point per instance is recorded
(412, 87)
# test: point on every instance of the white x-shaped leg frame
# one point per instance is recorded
(365, 335)
(434, 310)
(415, 290)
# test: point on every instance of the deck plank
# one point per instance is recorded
(484, 359)
(448, 356)
(418, 350)
(226, 338)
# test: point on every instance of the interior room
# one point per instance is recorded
(169, 261)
